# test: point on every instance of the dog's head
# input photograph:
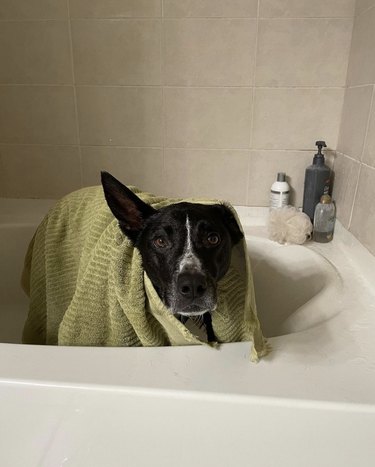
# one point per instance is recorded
(185, 247)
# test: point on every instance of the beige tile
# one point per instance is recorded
(363, 220)
(37, 115)
(264, 166)
(303, 52)
(141, 167)
(120, 116)
(306, 8)
(35, 52)
(362, 5)
(207, 52)
(115, 8)
(39, 171)
(211, 8)
(217, 118)
(35, 9)
(361, 69)
(354, 121)
(295, 118)
(207, 173)
(117, 51)
(369, 150)
(346, 178)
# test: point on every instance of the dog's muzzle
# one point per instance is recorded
(195, 294)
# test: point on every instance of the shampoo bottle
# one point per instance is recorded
(279, 192)
(317, 181)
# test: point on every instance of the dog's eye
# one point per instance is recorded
(160, 242)
(213, 239)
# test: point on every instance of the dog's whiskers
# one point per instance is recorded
(198, 320)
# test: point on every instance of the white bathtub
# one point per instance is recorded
(310, 403)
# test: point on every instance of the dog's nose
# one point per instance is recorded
(191, 285)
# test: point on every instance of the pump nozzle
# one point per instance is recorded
(320, 144)
(319, 156)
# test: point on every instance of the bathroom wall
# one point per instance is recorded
(180, 97)
(355, 162)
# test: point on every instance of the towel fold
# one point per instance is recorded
(87, 285)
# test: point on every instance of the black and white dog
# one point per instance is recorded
(185, 248)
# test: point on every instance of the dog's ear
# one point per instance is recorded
(231, 224)
(130, 211)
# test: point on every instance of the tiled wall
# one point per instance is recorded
(180, 97)
(355, 161)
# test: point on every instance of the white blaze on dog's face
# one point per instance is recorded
(191, 280)
(185, 247)
(189, 260)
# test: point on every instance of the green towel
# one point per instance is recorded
(87, 286)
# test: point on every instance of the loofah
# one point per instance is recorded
(289, 225)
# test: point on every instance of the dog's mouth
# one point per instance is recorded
(193, 310)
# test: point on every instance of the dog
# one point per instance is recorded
(185, 248)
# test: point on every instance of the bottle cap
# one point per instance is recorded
(326, 199)
(281, 177)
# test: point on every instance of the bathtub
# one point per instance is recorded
(311, 402)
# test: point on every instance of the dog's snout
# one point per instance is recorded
(192, 285)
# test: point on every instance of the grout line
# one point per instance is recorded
(348, 62)
(51, 145)
(355, 160)
(75, 93)
(304, 17)
(54, 20)
(348, 157)
(50, 85)
(81, 145)
(124, 146)
(365, 11)
(354, 198)
(180, 18)
(361, 163)
(251, 129)
(368, 122)
(359, 86)
(172, 87)
(163, 112)
(254, 77)
(368, 166)
(117, 19)
(40, 20)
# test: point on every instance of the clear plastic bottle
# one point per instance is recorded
(324, 220)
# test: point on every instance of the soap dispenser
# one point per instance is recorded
(317, 181)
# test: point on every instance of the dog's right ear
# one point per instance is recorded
(129, 210)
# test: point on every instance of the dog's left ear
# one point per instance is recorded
(231, 224)
(130, 210)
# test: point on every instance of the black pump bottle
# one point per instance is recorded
(317, 181)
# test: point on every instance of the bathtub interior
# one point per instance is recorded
(291, 283)
(13, 301)
(18, 222)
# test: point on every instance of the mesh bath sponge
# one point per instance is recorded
(289, 225)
